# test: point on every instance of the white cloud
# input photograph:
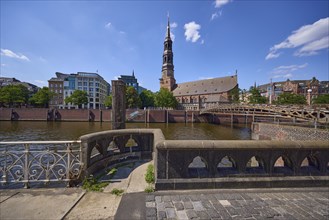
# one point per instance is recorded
(202, 41)
(108, 25)
(286, 71)
(214, 15)
(3, 64)
(116, 77)
(40, 83)
(220, 3)
(192, 31)
(289, 75)
(173, 25)
(272, 55)
(9, 53)
(311, 38)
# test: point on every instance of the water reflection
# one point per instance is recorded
(28, 130)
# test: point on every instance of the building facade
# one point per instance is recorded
(5, 81)
(194, 95)
(312, 87)
(63, 85)
(131, 80)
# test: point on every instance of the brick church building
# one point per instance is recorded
(198, 94)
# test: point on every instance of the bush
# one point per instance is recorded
(92, 184)
(149, 177)
(149, 189)
(117, 192)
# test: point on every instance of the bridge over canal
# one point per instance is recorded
(296, 113)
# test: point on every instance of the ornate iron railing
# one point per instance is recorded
(40, 161)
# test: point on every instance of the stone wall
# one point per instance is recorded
(265, 131)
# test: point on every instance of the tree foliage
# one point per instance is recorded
(234, 95)
(255, 96)
(321, 99)
(164, 98)
(147, 98)
(290, 98)
(13, 95)
(78, 97)
(132, 98)
(108, 101)
(42, 97)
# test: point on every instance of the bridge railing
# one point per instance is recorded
(218, 164)
(32, 162)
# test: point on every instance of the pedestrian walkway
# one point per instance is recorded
(76, 203)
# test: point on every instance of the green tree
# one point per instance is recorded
(132, 98)
(14, 95)
(164, 98)
(78, 97)
(290, 98)
(234, 95)
(108, 101)
(147, 98)
(255, 96)
(42, 97)
(321, 99)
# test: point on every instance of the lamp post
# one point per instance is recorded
(309, 96)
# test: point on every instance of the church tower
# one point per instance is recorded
(168, 80)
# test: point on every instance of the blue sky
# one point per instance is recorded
(262, 40)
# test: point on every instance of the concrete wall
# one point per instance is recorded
(265, 131)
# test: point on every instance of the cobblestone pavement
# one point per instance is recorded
(239, 205)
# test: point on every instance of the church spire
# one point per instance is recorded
(168, 80)
(168, 28)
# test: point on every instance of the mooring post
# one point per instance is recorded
(118, 104)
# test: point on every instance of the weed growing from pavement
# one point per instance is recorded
(117, 192)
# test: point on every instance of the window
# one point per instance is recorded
(85, 84)
(79, 83)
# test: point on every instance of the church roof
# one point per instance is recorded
(207, 86)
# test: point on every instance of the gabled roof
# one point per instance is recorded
(207, 86)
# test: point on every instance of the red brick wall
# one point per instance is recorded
(5, 114)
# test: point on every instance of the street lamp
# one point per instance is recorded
(309, 96)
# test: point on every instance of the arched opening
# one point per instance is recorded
(198, 168)
(94, 151)
(131, 145)
(283, 165)
(227, 166)
(255, 165)
(310, 165)
(113, 148)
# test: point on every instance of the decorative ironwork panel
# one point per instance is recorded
(40, 161)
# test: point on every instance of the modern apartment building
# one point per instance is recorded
(63, 85)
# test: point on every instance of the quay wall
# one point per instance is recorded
(266, 131)
(132, 115)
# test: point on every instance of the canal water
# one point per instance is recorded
(55, 131)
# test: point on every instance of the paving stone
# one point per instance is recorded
(213, 213)
(224, 202)
(198, 206)
(158, 199)
(162, 215)
(171, 213)
(151, 212)
(191, 214)
(202, 215)
(223, 213)
(179, 206)
(166, 199)
(150, 205)
(195, 197)
(181, 215)
(175, 198)
(232, 211)
(150, 198)
(188, 205)
(184, 198)
(168, 205)
(206, 204)
(161, 206)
